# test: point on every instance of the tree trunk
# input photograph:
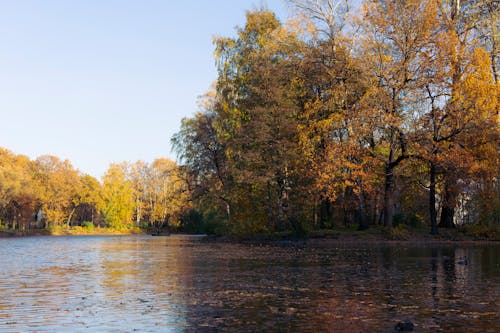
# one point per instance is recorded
(448, 210)
(315, 213)
(374, 211)
(69, 218)
(137, 213)
(282, 200)
(326, 213)
(270, 215)
(447, 214)
(388, 195)
(228, 212)
(432, 199)
(323, 213)
(363, 221)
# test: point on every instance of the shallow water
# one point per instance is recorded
(181, 284)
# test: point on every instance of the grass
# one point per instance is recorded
(85, 230)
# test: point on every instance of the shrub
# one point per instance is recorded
(399, 232)
(88, 225)
(56, 229)
(144, 225)
(398, 219)
(193, 222)
(481, 232)
(248, 228)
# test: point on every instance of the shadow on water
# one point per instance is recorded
(179, 284)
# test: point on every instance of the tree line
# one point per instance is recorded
(378, 115)
(385, 114)
(49, 193)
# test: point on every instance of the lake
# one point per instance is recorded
(183, 284)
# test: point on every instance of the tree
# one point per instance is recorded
(202, 152)
(258, 93)
(329, 16)
(171, 196)
(17, 196)
(463, 105)
(90, 199)
(334, 133)
(305, 117)
(397, 33)
(140, 177)
(117, 194)
(57, 185)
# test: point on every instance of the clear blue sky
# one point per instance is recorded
(101, 81)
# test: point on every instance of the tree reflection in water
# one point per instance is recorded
(178, 284)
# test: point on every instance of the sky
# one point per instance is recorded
(104, 81)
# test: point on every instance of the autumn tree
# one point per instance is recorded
(159, 192)
(139, 174)
(117, 194)
(334, 136)
(171, 197)
(258, 105)
(57, 185)
(17, 195)
(202, 153)
(90, 201)
(395, 36)
(356, 113)
(463, 104)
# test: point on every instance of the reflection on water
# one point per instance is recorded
(179, 284)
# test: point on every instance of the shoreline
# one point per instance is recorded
(336, 242)
(369, 237)
(58, 233)
(318, 238)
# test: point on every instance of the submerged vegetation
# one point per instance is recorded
(383, 118)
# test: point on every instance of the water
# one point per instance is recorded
(181, 284)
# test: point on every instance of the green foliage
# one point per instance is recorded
(88, 225)
(55, 229)
(209, 223)
(193, 222)
(144, 225)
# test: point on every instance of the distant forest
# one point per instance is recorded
(49, 193)
(382, 115)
